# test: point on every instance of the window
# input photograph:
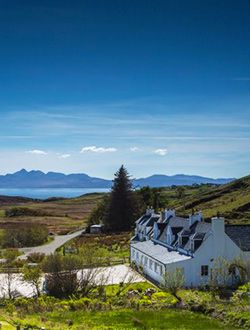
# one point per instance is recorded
(133, 253)
(150, 264)
(156, 266)
(204, 270)
(137, 255)
(146, 261)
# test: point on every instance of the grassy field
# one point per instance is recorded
(121, 319)
(61, 215)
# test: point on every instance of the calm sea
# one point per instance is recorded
(51, 192)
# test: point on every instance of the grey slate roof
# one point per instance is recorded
(240, 235)
(159, 252)
(178, 222)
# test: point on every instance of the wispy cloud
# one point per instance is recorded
(37, 152)
(161, 152)
(64, 156)
(97, 149)
(134, 149)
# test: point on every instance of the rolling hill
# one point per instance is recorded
(230, 200)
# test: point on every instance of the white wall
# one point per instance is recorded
(212, 248)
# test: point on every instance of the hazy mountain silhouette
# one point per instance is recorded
(38, 179)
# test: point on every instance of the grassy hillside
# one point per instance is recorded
(231, 200)
(60, 215)
(63, 215)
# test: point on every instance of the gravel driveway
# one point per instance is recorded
(51, 247)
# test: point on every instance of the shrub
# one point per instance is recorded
(36, 257)
(24, 211)
(31, 235)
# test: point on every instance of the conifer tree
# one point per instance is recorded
(122, 208)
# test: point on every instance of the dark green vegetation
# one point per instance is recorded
(30, 235)
(132, 306)
(120, 209)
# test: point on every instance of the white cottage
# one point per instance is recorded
(164, 242)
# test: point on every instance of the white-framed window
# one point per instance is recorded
(204, 270)
(137, 255)
(146, 261)
(150, 263)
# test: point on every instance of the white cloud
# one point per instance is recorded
(64, 156)
(97, 149)
(134, 149)
(37, 152)
(161, 152)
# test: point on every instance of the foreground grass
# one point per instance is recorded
(115, 308)
(122, 319)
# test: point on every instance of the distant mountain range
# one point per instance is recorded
(38, 179)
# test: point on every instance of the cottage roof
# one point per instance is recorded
(159, 252)
(178, 222)
(240, 235)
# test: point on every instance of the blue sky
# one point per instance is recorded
(160, 86)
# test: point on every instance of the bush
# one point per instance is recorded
(24, 211)
(36, 257)
(31, 235)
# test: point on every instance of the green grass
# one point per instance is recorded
(109, 249)
(113, 311)
(123, 319)
(230, 200)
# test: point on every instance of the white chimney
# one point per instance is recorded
(195, 217)
(149, 211)
(169, 213)
(162, 216)
(218, 230)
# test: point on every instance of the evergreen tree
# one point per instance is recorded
(122, 208)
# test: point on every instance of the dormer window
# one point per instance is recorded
(183, 238)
